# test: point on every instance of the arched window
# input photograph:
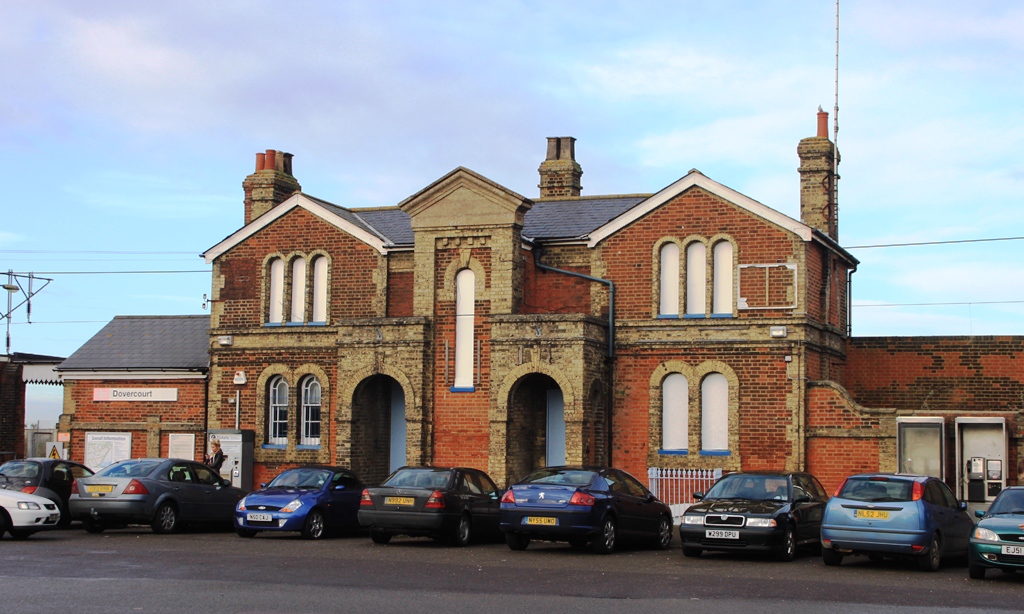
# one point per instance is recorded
(298, 290)
(721, 297)
(465, 304)
(675, 412)
(277, 411)
(310, 412)
(669, 282)
(276, 314)
(696, 279)
(320, 290)
(714, 412)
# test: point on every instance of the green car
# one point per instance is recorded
(998, 540)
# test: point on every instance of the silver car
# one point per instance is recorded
(163, 493)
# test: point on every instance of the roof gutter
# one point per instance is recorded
(538, 252)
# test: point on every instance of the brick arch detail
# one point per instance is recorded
(466, 261)
(417, 432)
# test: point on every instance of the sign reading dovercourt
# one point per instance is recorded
(134, 394)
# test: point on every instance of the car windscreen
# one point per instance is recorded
(1008, 502)
(20, 469)
(753, 487)
(877, 489)
(570, 477)
(302, 478)
(128, 469)
(420, 478)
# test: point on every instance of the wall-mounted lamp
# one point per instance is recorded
(225, 340)
(777, 332)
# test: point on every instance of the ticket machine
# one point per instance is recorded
(237, 446)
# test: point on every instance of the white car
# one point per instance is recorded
(22, 514)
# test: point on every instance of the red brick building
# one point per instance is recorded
(693, 327)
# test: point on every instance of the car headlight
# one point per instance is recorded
(291, 507)
(760, 522)
(693, 519)
(241, 504)
(28, 505)
(985, 535)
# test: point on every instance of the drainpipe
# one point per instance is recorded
(537, 252)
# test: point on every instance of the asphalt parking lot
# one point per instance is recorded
(133, 570)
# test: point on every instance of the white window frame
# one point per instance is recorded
(311, 411)
(320, 290)
(465, 321)
(669, 282)
(722, 289)
(298, 314)
(675, 413)
(276, 293)
(714, 414)
(696, 279)
(277, 411)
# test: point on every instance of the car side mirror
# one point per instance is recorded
(651, 498)
(697, 496)
(263, 484)
(339, 487)
(225, 482)
(978, 513)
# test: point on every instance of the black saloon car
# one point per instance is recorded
(583, 505)
(774, 512)
(44, 477)
(447, 503)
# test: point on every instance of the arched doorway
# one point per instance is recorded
(535, 435)
(378, 428)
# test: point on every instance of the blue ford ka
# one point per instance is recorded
(311, 500)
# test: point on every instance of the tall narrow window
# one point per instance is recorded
(320, 290)
(276, 315)
(675, 412)
(465, 299)
(714, 412)
(310, 412)
(277, 411)
(721, 297)
(669, 282)
(298, 290)
(696, 279)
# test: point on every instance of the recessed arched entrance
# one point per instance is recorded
(378, 428)
(536, 426)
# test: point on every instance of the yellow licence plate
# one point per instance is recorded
(99, 488)
(871, 514)
(399, 501)
(540, 520)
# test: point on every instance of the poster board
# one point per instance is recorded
(102, 449)
(181, 445)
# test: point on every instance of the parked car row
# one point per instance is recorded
(875, 515)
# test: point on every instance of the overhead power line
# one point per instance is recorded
(937, 304)
(118, 272)
(935, 243)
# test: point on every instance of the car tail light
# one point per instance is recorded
(74, 485)
(135, 487)
(918, 491)
(435, 501)
(29, 489)
(508, 497)
(365, 500)
(917, 548)
(581, 498)
(836, 494)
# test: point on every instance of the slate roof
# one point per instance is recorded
(145, 343)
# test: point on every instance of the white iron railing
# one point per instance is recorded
(676, 486)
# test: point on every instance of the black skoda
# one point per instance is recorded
(765, 512)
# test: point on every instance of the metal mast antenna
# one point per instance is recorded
(835, 134)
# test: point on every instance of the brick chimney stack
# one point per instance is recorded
(818, 180)
(559, 173)
(270, 185)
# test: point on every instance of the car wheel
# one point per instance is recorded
(165, 520)
(691, 552)
(380, 537)
(578, 543)
(315, 526)
(516, 541)
(930, 560)
(246, 532)
(976, 572)
(463, 532)
(605, 542)
(91, 525)
(19, 534)
(664, 534)
(787, 551)
(831, 558)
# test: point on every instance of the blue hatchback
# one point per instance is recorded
(881, 514)
(312, 500)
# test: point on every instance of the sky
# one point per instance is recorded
(127, 129)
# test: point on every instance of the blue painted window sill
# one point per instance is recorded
(304, 447)
(715, 453)
(674, 452)
(721, 315)
(295, 324)
(462, 389)
(670, 316)
(273, 446)
(694, 316)
(273, 324)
